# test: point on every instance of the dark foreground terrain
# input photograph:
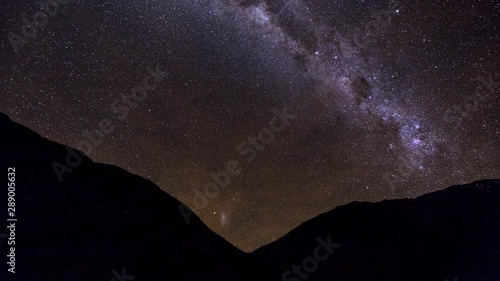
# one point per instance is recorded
(104, 223)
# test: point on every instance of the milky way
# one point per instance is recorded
(346, 77)
(391, 99)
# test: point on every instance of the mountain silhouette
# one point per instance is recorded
(100, 219)
(104, 223)
(449, 233)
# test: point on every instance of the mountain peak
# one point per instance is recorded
(102, 221)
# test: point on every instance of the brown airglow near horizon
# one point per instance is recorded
(408, 110)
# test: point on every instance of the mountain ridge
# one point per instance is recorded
(133, 220)
(102, 220)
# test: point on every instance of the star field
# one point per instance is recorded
(390, 99)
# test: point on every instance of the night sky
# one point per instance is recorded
(382, 99)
